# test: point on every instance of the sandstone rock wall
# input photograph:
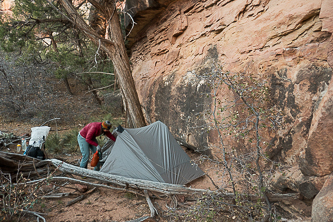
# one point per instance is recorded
(289, 41)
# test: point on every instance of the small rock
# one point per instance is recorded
(81, 188)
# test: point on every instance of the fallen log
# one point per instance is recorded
(13, 163)
(165, 188)
(124, 182)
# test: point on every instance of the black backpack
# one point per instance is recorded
(35, 152)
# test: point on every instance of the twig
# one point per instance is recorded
(99, 46)
(50, 121)
(80, 197)
(133, 23)
(38, 215)
(212, 181)
(106, 73)
(175, 203)
(75, 200)
(33, 163)
(58, 195)
(99, 88)
(153, 210)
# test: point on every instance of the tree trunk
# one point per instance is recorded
(116, 51)
(55, 48)
(68, 87)
(91, 87)
(122, 66)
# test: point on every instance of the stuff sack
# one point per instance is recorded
(35, 152)
(95, 159)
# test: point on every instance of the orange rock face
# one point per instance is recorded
(287, 42)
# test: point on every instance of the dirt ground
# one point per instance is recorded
(100, 205)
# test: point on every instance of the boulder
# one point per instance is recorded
(322, 207)
(292, 180)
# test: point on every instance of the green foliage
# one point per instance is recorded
(114, 121)
(129, 196)
(40, 33)
(69, 141)
(13, 38)
(20, 29)
(66, 143)
(52, 143)
(40, 37)
(34, 9)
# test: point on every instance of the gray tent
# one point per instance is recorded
(150, 153)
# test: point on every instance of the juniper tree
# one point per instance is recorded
(60, 31)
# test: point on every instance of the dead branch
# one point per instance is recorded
(153, 211)
(27, 166)
(99, 88)
(80, 197)
(106, 73)
(38, 215)
(50, 121)
(133, 24)
(59, 195)
(71, 202)
(80, 182)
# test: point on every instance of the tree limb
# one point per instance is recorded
(97, 6)
(78, 21)
(106, 73)
(105, 87)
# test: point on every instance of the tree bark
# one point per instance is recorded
(68, 87)
(116, 51)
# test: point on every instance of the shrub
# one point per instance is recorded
(65, 143)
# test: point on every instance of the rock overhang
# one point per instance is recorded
(142, 12)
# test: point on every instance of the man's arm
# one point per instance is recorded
(108, 134)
